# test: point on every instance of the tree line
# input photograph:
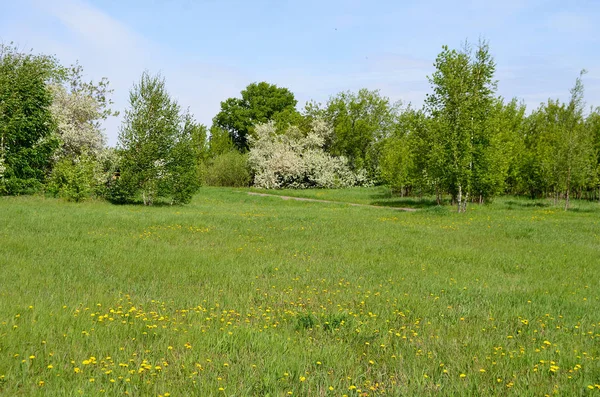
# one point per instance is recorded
(466, 143)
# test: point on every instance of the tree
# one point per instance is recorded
(574, 156)
(360, 122)
(463, 93)
(260, 103)
(79, 108)
(592, 124)
(26, 123)
(219, 142)
(157, 155)
(295, 160)
(560, 156)
(494, 149)
(400, 153)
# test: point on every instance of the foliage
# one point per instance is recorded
(260, 103)
(466, 142)
(78, 109)
(401, 153)
(463, 95)
(559, 148)
(360, 122)
(228, 169)
(26, 124)
(73, 114)
(295, 160)
(73, 178)
(157, 155)
(219, 142)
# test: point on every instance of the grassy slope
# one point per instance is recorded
(257, 296)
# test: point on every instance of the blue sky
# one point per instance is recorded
(209, 50)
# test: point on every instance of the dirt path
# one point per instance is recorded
(329, 201)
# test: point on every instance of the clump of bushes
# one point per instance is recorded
(228, 169)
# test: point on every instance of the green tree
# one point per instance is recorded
(219, 142)
(360, 123)
(574, 156)
(463, 94)
(592, 124)
(560, 156)
(157, 154)
(496, 142)
(260, 103)
(400, 160)
(26, 123)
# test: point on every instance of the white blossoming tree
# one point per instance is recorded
(80, 166)
(296, 160)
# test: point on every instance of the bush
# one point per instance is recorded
(118, 191)
(228, 169)
(296, 160)
(18, 186)
(72, 179)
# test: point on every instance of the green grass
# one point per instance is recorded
(380, 196)
(244, 295)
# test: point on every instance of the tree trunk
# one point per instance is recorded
(459, 198)
(568, 189)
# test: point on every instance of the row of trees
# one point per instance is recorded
(466, 142)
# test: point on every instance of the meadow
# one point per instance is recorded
(238, 295)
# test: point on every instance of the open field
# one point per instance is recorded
(243, 295)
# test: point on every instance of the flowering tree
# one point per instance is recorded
(296, 160)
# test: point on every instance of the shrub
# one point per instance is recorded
(72, 179)
(296, 160)
(228, 169)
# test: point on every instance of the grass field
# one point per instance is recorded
(255, 296)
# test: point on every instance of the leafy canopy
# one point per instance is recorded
(26, 122)
(260, 103)
(158, 157)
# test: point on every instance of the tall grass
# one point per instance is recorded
(243, 295)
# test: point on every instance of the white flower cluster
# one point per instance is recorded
(160, 167)
(75, 114)
(293, 160)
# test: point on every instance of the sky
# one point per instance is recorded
(210, 50)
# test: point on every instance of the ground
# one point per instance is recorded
(247, 295)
